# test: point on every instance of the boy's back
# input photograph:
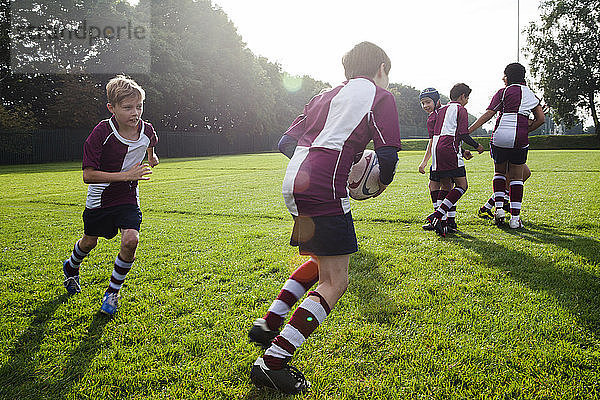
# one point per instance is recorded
(514, 102)
(334, 127)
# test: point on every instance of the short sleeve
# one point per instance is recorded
(462, 123)
(151, 134)
(431, 124)
(384, 122)
(92, 148)
(298, 127)
(496, 101)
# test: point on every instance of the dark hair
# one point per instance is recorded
(364, 60)
(458, 89)
(515, 73)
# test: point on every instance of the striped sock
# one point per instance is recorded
(490, 203)
(450, 201)
(451, 214)
(307, 317)
(434, 198)
(516, 197)
(294, 288)
(74, 262)
(499, 184)
(118, 275)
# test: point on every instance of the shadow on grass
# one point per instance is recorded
(576, 289)
(583, 246)
(18, 370)
(18, 378)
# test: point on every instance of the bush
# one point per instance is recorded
(541, 142)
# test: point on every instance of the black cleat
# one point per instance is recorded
(485, 213)
(438, 226)
(260, 333)
(427, 227)
(451, 227)
(287, 380)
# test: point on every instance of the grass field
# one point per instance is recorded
(487, 313)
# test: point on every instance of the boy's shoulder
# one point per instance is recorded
(102, 129)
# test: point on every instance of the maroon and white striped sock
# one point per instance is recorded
(499, 185)
(77, 256)
(307, 317)
(303, 278)
(516, 197)
(490, 203)
(434, 198)
(449, 202)
(119, 273)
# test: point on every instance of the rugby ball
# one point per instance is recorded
(363, 180)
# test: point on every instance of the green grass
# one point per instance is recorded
(488, 313)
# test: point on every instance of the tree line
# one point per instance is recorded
(200, 76)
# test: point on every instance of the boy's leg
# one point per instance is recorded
(122, 266)
(516, 194)
(302, 279)
(71, 265)
(333, 282)
(499, 185)
(434, 192)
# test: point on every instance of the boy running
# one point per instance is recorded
(510, 141)
(322, 144)
(430, 102)
(112, 165)
(451, 128)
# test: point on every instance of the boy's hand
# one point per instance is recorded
(153, 161)
(467, 155)
(138, 172)
(421, 168)
(381, 189)
(480, 148)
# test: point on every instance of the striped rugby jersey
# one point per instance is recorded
(514, 103)
(334, 127)
(452, 121)
(106, 150)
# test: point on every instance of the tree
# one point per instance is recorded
(564, 49)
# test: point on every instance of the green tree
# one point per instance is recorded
(564, 50)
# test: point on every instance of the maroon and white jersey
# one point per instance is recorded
(514, 103)
(451, 122)
(334, 127)
(431, 122)
(106, 150)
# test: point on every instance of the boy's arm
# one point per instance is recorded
(471, 142)
(287, 145)
(426, 157)
(482, 120)
(138, 172)
(152, 157)
(538, 118)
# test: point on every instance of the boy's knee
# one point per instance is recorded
(87, 243)
(130, 241)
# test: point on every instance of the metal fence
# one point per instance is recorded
(67, 145)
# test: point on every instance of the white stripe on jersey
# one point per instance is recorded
(298, 158)
(434, 143)
(345, 115)
(450, 120)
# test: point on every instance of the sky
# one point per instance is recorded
(434, 43)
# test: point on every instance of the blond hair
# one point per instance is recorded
(364, 60)
(121, 87)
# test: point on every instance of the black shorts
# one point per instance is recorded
(516, 156)
(325, 235)
(436, 176)
(106, 222)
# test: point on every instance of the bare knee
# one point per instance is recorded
(129, 243)
(87, 243)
